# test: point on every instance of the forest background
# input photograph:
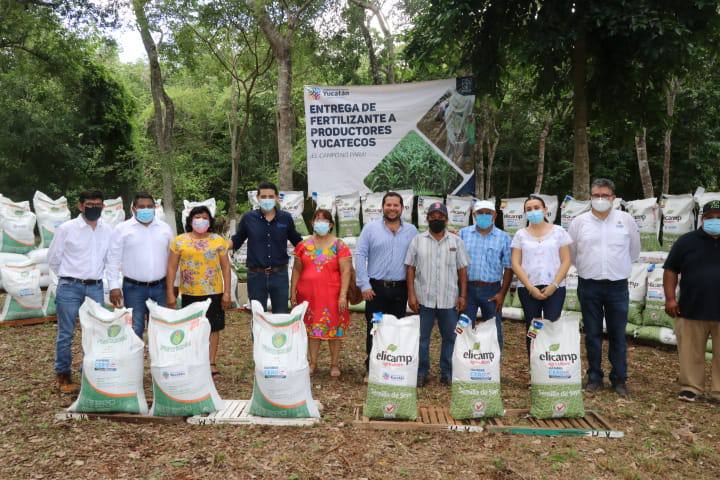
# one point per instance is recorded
(566, 91)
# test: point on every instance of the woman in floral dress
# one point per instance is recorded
(321, 276)
(204, 267)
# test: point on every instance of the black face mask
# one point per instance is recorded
(91, 214)
(436, 226)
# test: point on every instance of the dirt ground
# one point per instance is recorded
(664, 438)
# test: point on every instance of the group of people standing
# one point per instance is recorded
(438, 274)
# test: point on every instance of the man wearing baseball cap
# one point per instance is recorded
(490, 270)
(695, 258)
(437, 282)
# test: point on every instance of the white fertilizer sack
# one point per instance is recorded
(513, 214)
(654, 314)
(391, 391)
(408, 197)
(179, 348)
(637, 289)
(371, 206)
(458, 211)
(572, 302)
(348, 214)
(282, 377)
(424, 203)
(50, 215)
(159, 210)
(22, 285)
(325, 201)
(678, 218)
(113, 213)
(50, 294)
(17, 224)
(646, 213)
(570, 209)
(112, 373)
(188, 206)
(476, 372)
(294, 203)
(551, 202)
(555, 370)
(252, 198)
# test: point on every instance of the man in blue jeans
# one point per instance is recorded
(267, 232)
(437, 284)
(490, 272)
(140, 247)
(78, 255)
(605, 243)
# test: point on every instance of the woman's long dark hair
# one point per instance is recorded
(532, 196)
(195, 211)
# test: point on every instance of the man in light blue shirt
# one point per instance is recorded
(490, 271)
(380, 263)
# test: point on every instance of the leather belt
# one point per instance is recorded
(144, 284)
(84, 282)
(389, 283)
(268, 270)
(480, 283)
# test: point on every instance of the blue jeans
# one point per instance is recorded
(447, 321)
(549, 309)
(68, 299)
(134, 296)
(600, 298)
(276, 286)
(477, 298)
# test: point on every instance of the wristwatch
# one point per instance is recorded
(554, 284)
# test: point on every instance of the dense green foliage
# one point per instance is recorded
(75, 117)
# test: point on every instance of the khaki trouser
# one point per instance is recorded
(692, 337)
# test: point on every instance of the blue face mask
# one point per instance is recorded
(535, 216)
(712, 226)
(145, 215)
(321, 228)
(267, 204)
(483, 220)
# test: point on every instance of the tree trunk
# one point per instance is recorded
(643, 165)
(670, 96)
(479, 161)
(389, 40)
(509, 177)
(581, 156)
(285, 121)
(541, 154)
(374, 65)
(492, 148)
(235, 142)
(164, 113)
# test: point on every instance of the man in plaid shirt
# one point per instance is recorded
(490, 271)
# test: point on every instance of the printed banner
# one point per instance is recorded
(376, 138)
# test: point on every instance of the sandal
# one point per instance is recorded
(335, 371)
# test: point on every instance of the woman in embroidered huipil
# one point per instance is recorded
(321, 276)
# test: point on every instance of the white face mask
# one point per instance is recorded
(601, 204)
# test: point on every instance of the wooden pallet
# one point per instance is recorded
(118, 417)
(28, 321)
(515, 421)
(237, 412)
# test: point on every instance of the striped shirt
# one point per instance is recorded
(379, 253)
(489, 254)
(436, 268)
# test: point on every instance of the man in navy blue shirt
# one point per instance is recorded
(267, 232)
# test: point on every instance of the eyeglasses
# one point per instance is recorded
(603, 196)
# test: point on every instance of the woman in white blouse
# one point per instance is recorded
(540, 259)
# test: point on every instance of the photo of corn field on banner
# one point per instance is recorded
(375, 138)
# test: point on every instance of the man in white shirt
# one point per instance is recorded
(140, 247)
(78, 255)
(605, 243)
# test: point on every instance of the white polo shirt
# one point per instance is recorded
(604, 249)
(79, 251)
(141, 251)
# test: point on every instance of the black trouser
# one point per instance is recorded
(390, 300)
